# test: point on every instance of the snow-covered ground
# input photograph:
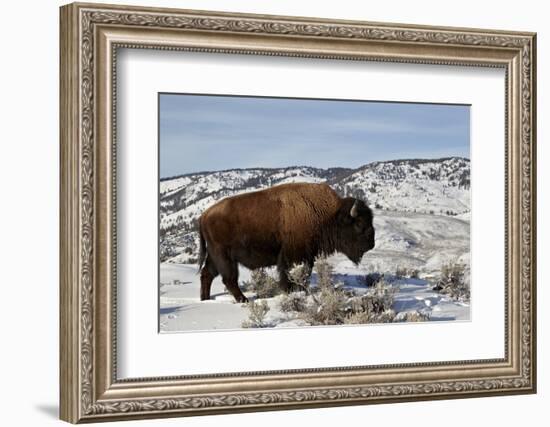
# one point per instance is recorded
(403, 240)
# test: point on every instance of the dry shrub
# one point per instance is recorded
(412, 316)
(451, 282)
(401, 271)
(407, 272)
(324, 272)
(329, 303)
(256, 315)
(299, 276)
(363, 317)
(262, 283)
(327, 307)
(295, 301)
(381, 297)
(373, 307)
(333, 305)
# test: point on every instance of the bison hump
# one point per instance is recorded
(306, 208)
(293, 212)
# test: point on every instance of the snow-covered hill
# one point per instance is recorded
(428, 186)
(435, 186)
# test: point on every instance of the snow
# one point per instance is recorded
(416, 295)
(181, 308)
(438, 187)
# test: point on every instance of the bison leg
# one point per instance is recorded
(233, 287)
(282, 268)
(230, 277)
(208, 273)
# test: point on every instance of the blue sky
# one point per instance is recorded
(207, 133)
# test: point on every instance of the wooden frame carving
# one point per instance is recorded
(90, 36)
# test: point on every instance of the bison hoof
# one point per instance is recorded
(242, 299)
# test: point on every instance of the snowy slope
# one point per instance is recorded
(428, 186)
(181, 309)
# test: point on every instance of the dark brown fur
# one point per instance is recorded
(282, 225)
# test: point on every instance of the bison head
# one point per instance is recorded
(355, 229)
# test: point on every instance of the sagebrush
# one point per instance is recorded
(324, 272)
(407, 272)
(295, 301)
(262, 284)
(257, 310)
(452, 282)
(327, 301)
(331, 304)
(299, 276)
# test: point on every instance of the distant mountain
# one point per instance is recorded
(431, 186)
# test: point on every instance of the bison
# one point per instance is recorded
(281, 225)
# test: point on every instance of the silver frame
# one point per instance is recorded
(90, 37)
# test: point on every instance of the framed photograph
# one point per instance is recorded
(311, 225)
(268, 212)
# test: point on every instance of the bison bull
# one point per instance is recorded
(282, 225)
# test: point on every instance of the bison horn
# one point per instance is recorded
(353, 212)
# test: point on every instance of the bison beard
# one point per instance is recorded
(282, 225)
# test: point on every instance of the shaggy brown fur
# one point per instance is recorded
(282, 225)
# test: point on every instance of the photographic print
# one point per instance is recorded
(290, 212)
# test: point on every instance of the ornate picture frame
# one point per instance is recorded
(91, 34)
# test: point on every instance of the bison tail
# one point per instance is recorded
(202, 249)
